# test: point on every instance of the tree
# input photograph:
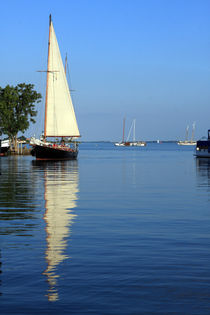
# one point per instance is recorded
(17, 109)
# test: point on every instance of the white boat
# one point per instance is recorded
(186, 141)
(119, 144)
(202, 149)
(60, 120)
(4, 146)
(129, 143)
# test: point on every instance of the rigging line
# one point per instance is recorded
(130, 131)
(54, 112)
(68, 77)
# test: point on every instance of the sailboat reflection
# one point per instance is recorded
(61, 188)
(0, 271)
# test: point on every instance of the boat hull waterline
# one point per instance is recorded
(202, 154)
(44, 152)
(130, 144)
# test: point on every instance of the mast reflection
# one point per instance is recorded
(61, 189)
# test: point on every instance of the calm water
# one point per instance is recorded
(120, 231)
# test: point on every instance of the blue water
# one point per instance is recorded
(120, 231)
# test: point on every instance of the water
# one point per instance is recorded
(120, 231)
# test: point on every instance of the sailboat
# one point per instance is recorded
(129, 143)
(60, 120)
(186, 141)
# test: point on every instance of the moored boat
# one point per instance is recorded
(60, 120)
(129, 143)
(4, 146)
(186, 141)
(52, 151)
(133, 144)
(203, 147)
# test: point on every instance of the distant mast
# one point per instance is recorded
(187, 133)
(123, 129)
(193, 131)
(134, 130)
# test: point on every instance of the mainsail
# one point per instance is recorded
(60, 119)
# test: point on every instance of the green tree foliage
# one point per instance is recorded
(17, 108)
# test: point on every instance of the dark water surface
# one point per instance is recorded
(120, 231)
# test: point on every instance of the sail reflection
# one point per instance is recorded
(61, 189)
(0, 270)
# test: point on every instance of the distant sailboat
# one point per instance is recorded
(186, 141)
(60, 120)
(129, 143)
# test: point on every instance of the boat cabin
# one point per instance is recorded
(203, 147)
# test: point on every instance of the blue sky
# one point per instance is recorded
(142, 59)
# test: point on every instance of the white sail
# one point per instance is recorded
(60, 119)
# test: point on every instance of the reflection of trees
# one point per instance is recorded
(60, 194)
(16, 195)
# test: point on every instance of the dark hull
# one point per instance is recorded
(4, 150)
(50, 153)
(203, 149)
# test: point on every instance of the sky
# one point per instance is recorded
(147, 60)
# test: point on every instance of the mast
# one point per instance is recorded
(187, 131)
(46, 97)
(123, 129)
(134, 130)
(193, 131)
